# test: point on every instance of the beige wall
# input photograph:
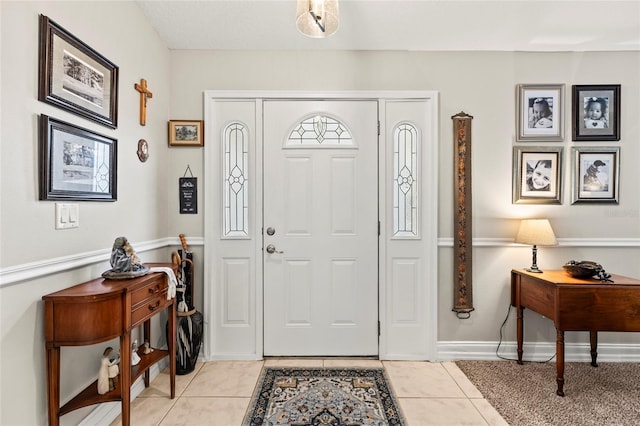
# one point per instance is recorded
(119, 31)
(479, 83)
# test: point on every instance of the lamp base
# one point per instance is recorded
(534, 261)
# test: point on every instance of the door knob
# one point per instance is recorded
(272, 249)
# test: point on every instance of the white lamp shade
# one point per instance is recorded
(324, 20)
(537, 232)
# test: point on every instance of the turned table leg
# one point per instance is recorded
(560, 362)
(593, 339)
(519, 333)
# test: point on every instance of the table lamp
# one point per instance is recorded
(536, 232)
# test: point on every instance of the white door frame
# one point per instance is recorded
(233, 335)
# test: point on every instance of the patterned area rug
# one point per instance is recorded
(323, 396)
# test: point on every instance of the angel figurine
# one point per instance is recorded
(109, 370)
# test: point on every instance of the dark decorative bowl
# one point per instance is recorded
(584, 269)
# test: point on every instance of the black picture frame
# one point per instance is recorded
(604, 102)
(527, 161)
(76, 163)
(596, 175)
(75, 77)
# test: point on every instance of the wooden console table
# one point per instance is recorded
(576, 305)
(100, 310)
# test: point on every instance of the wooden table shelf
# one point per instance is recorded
(90, 395)
(110, 308)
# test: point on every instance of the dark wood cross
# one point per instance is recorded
(144, 95)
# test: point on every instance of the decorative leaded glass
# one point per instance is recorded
(236, 191)
(320, 130)
(405, 181)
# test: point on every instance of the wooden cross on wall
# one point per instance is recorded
(144, 95)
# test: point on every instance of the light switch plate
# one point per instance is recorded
(67, 215)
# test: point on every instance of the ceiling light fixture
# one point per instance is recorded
(317, 18)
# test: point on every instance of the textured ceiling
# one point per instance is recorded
(420, 25)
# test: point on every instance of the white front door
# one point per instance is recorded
(320, 227)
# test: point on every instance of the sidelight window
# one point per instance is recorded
(405, 181)
(235, 177)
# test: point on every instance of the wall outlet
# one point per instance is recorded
(67, 215)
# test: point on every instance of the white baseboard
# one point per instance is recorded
(231, 357)
(106, 413)
(573, 352)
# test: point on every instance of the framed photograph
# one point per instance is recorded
(76, 78)
(186, 133)
(537, 175)
(540, 112)
(596, 175)
(596, 112)
(76, 163)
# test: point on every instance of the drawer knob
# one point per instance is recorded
(154, 307)
(154, 290)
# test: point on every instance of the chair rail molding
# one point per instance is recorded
(12, 275)
(29, 271)
(562, 242)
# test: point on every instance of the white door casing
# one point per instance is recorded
(233, 282)
(320, 205)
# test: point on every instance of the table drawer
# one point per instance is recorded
(149, 291)
(150, 306)
(537, 296)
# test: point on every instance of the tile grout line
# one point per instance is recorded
(467, 397)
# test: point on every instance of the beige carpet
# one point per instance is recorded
(525, 395)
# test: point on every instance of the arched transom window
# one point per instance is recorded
(319, 130)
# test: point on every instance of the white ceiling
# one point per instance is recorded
(418, 25)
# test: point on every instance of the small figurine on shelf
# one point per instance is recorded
(135, 358)
(109, 370)
(147, 348)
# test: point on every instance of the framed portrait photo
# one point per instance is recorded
(186, 133)
(537, 175)
(540, 112)
(75, 77)
(76, 163)
(596, 112)
(596, 175)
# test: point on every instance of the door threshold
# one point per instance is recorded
(314, 357)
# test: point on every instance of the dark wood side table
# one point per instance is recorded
(575, 304)
(100, 310)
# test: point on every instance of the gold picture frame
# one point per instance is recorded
(186, 133)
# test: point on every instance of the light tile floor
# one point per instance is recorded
(218, 393)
